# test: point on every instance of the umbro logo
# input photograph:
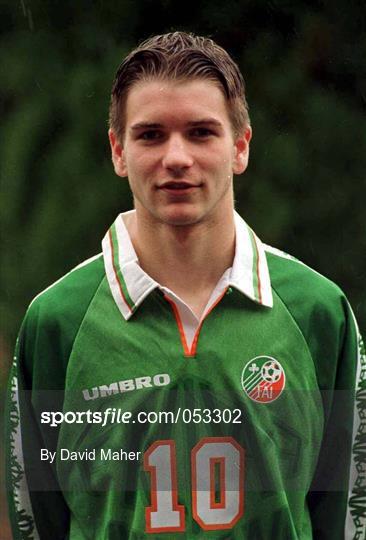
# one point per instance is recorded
(263, 379)
(120, 387)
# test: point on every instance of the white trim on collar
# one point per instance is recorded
(130, 285)
(250, 274)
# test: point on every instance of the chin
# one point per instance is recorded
(180, 219)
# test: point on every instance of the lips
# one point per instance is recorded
(178, 186)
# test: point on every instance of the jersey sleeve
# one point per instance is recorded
(336, 496)
(337, 499)
(356, 525)
(37, 508)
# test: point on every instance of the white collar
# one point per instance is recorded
(130, 285)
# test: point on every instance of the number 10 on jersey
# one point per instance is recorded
(217, 480)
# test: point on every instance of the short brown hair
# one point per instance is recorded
(179, 56)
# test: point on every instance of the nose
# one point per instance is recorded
(177, 156)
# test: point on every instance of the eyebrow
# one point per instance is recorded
(144, 125)
(206, 121)
(154, 125)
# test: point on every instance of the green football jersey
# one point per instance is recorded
(120, 427)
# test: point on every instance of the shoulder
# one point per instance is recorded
(317, 305)
(297, 283)
(322, 313)
(52, 322)
(73, 289)
(63, 304)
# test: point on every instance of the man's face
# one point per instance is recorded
(179, 152)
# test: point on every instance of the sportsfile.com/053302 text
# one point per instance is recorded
(114, 415)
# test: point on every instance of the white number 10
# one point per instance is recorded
(217, 465)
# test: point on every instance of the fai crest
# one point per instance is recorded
(263, 379)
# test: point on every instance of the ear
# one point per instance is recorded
(241, 149)
(118, 157)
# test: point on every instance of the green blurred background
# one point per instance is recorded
(304, 191)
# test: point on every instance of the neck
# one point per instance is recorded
(189, 260)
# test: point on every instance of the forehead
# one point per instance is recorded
(160, 101)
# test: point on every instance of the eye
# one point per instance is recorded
(150, 135)
(201, 132)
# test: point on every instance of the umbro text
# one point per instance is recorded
(119, 387)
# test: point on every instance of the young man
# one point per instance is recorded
(189, 381)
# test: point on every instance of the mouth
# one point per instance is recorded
(179, 187)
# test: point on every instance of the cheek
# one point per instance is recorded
(213, 159)
(222, 154)
(222, 163)
(133, 169)
(139, 163)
